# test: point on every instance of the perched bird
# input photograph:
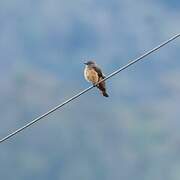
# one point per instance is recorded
(93, 74)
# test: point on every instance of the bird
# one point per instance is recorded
(93, 74)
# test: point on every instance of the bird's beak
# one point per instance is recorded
(85, 63)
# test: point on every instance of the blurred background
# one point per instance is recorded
(133, 134)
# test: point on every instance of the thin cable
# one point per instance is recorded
(88, 89)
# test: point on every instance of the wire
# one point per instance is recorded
(88, 89)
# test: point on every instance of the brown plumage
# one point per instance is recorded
(102, 87)
(94, 74)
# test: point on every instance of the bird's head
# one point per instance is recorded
(90, 63)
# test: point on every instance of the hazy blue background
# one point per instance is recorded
(132, 135)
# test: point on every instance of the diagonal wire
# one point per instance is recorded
(88, 89)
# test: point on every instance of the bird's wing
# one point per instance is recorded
(98, 70)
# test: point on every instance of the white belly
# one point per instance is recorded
(91, 75)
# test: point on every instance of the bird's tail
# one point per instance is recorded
(105, 94)
(102, 88)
